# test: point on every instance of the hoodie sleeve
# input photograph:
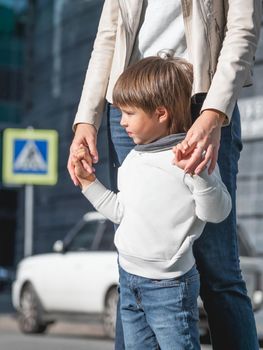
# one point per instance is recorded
(212, 199)
(105, 201)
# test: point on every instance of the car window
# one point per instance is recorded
(84, 238)
(107, 239)
(103, 240)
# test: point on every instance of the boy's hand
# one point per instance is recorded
(202, 143)
(85, 134)
(83, 154)
(85, 178)
(181, 159)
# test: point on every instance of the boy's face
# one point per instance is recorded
(143, 127)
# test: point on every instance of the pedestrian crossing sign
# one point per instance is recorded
(30, 156)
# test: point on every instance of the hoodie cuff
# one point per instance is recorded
(94, 191)
(203, 182)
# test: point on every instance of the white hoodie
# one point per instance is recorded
(160, 211)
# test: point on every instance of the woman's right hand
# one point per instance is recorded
(86, 135)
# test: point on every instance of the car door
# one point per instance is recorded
(89, 267)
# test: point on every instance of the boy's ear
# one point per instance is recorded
(162, 114)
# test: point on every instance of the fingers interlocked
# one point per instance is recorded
(83, 154)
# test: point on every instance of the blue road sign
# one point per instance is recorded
(30, 156)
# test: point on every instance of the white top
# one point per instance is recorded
(162, 27)
(161, 211)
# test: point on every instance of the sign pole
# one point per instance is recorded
(29, 219)
(30, 158)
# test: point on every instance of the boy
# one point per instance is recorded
(160, 209)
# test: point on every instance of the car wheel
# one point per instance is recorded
(110, 312)
(29, 317)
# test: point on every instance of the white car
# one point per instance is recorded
(80, 277)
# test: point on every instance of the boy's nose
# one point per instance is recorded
(123, 121)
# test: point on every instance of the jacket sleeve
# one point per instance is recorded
(91, 105)
(236, 55)
(105, 201)
(212, 200)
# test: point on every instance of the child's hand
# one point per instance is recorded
(83, 154)
(84, 176)
(181, 159)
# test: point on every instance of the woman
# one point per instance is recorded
(219, 38)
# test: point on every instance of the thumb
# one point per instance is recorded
(93, 151)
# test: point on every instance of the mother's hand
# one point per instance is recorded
(200, 147)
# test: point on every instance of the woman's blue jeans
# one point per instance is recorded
(160, 313)
(223, 291)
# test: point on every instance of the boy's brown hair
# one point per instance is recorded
(158, 82)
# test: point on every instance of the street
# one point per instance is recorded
(61, 336)
(17, 341)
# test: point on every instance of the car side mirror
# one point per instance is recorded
(58, 247)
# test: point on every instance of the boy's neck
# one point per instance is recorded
(161, 136)
(163, 143)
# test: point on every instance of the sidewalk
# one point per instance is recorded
(8, 323)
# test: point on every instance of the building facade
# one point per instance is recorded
(12, 39)
(60, 35)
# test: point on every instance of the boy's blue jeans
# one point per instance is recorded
(160, 313)
(222, 290)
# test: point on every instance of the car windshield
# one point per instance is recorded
(95, 235)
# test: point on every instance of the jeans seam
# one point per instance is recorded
(193, 307)
(186, 318)
(232, 171)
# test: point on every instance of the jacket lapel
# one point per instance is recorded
(131, 13)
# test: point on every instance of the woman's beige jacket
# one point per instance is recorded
(221, 40)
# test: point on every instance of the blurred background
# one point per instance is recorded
(45, 47)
